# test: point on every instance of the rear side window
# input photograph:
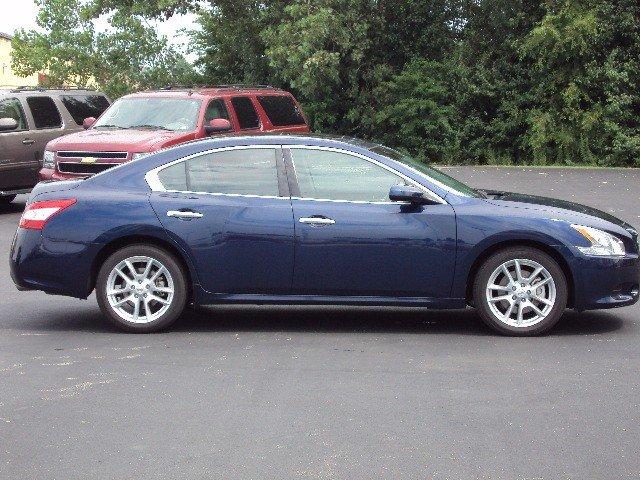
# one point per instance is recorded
(44, 111)
(246, 113)
(11, 108)
(84, 106)
(250, 171)
(281, 110)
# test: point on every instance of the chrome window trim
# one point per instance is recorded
(411, 181)
(151, 177)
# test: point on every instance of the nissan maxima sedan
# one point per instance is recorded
(316, 220)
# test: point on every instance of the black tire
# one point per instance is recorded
(7, 199)
(178, 301)
(480, 283)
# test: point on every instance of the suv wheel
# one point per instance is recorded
(141, 289)
(520, 291)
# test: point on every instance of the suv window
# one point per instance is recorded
(330, 175)
(84, 106)
(249, 171)
(246, 113)
(44, 111)
(11, 108)
(281, 110)
(215, 109)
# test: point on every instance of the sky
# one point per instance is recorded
(18, 14)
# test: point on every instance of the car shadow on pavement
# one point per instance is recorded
(224, 319)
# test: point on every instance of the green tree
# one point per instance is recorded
(129, 56)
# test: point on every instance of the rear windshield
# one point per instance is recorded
(84, 106)
(281, 110)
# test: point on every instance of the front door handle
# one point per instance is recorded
(184, 214)
(28, 141)
(317, 220)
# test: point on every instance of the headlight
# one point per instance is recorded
(48, 160)
(138, 156)
(602, 243)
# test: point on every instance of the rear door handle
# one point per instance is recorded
(184, 214)
(317, 220)
(28, 141)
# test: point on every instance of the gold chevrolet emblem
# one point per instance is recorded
(88, 160)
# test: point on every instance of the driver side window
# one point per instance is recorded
(215, 109)
(11, 108)
(331, 175)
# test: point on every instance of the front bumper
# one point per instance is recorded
(606, 282)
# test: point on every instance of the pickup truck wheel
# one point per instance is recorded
(7, 199)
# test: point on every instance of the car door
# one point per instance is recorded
(352, 241)
(247, 118)
(47, 122)
(230, 209)
(18, 166)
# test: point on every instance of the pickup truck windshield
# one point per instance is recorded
(433, 173)
(176, 114)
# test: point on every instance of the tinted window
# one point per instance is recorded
(44, 111)
(281, 110)
(339, 176)
(246, 113)
(81, 107)
(242, 172)
(215, 109)
(11, 108)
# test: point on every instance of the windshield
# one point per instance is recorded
(176, 114)
(434, 174)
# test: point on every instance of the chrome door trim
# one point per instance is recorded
(317, 221)
(184, 214)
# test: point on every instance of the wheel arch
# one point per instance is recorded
(148, 240)
(496, 247)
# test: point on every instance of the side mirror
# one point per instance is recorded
(7, 124)
(218, 125)
(88, 122)
(408, 194)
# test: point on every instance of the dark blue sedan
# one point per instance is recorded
(314, 220)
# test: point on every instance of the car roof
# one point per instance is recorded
(208, 91)
(47, 91)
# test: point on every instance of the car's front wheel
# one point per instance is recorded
(141, 289)
(520, 291)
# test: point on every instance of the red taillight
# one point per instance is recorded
(37, 214)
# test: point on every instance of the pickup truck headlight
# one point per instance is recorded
(138, 156)
(48, 160)
(603, 244)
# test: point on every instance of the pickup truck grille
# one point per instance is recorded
(84, 168)
(88, 163)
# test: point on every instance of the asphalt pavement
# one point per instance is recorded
(324, 393)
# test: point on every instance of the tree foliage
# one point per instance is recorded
(464, 81)
(128, 56)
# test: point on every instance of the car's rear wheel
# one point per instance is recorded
(6, 199)
(520, 291)
(141, 289)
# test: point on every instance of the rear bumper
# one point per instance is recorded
(55, 267)
(607, 282)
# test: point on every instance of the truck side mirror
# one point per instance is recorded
(7, 124)
(218, 125)
(88, 122)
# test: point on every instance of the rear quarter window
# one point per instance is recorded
(281, 110)
(44, 111)
(84, 106)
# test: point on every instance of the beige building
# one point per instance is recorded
(7, 77)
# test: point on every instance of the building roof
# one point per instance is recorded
(6, 36)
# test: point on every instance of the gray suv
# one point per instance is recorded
(29, 118)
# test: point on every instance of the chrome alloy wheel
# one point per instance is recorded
(521, 293)
(140, 289)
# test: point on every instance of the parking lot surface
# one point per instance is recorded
(324, 393)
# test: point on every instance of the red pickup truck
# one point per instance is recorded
(139, 124)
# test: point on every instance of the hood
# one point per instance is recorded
(553, 206)
(116, 140)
